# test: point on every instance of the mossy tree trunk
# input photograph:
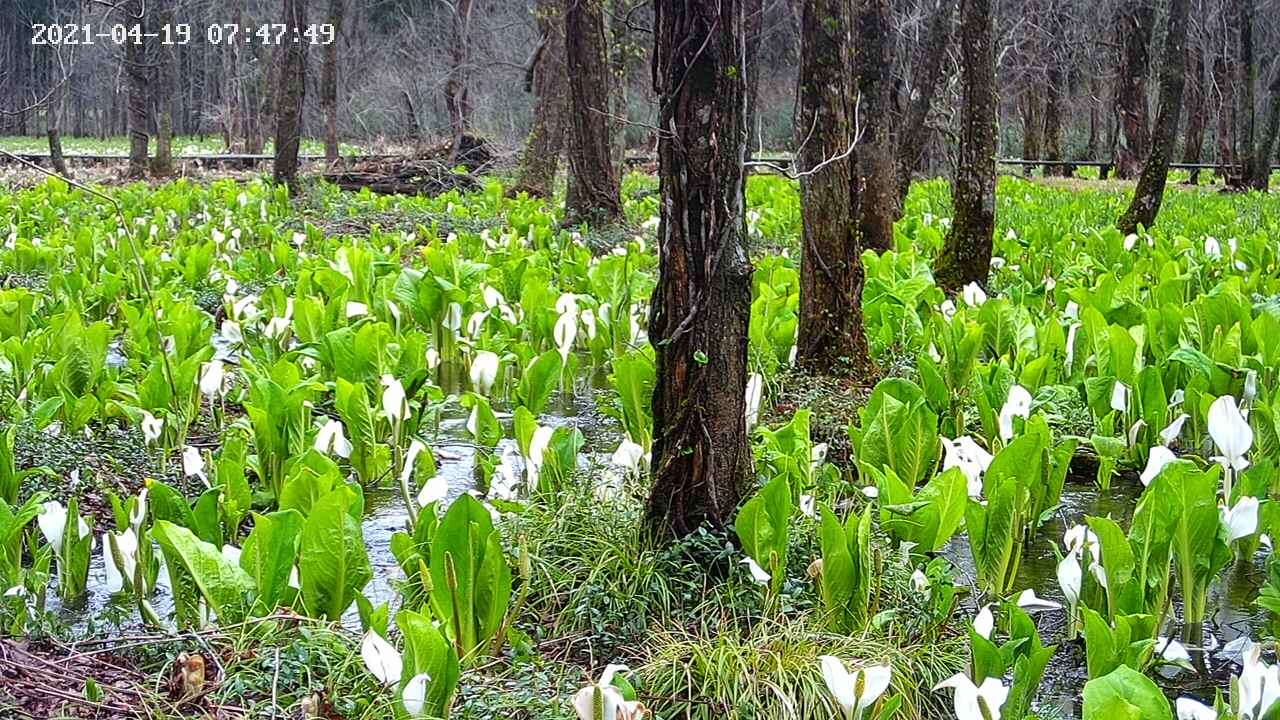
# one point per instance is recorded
(329, 81)
(1149, 193)
(875, 164)
(831, 337)
(966, 250)
(292, 88)
(594, 193)
(546, 80)
(1134, 24)
(925, 80)
(702, 302)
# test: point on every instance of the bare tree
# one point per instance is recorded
(166, 62)
(457, 88)
(1134, 23)
(1197, 108)
(702, 302)
(966, 251)
(594, 192)
(876, 165)
(136, 71)
(831, 275)
(292, 91)
(924, 88)
(329, 81)
(1149, 193)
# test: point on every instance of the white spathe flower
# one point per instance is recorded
(433, 358)
(484, 371)
(973, 295)
(920, 582)
(1230, 432)
(414, 695)
(1071, 344)
(116, 575)
(984, 622)
(231, 332)
(1212, 248)
(437, 488)
(970, 699)
(758, 573)
(1028, 601)
(231, 554)
(808, 506)
(1173, 429)
(567, 303)
(139, 512)
(1120, 397)
(970, 457)
(755, 389)
(151, 427)
(333, 439)
(212, 374)
(452, 319)
(857, 690)
(394, 403)
(1018, 404)
(1259, 683)
(1130, 241)
(381, 658)
(1078, 538)
(53, 524)
(629, 455)
(615, 706)
(492, 297)
(1072, 310)
(947, 308)
(356, 309)
(1070, 578)
(1241, 520)
(1188, 709)
(193, 463)
(1157, 458)
(566, 333)
(411, 460)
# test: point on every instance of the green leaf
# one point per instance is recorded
(221, 583)
(334, 565)
(269, 554)
(539, 381)
(1125, 694)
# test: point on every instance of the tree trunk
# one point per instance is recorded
(1094, 144)
(1256, 164)
(1223, 128)
(329, 82)
(702, 303)
(925, 79)
(875, 162)
(966, 251)
(1134, 24)
(831, 276)
(457, 88)
(292, 91)
(166, 87)
(1267, 147)
(1149, 193)
(546, 80)
(1032, 128)
(1053, 121)
(619, 55)
(135, 67)
(54, 132)
(1197, 111)
(593, 189)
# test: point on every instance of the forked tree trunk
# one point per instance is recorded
(966, 251)
(457, 87)
(831, 337)
(329, 82)
(702, 302)
(166, 62)
(135, 67)
(593, 188)
(1149, 193)
(292, 74)
(546, 80)
(875, 162)
(1133, 25)
(924, 87)
(1197, 111)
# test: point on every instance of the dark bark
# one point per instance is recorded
(547, 81)
(702, 303)
(875, 163)
(1149, 193)
(1256, 165)
(966, 251)
(1134, 24)
(1197, 110)
(165, 89)
(1053, 121)
(594, 192)
(1094, 144)
(1032, 127)
(135, 67)
(831, 275)
(292, 90)
(1267, 147)
(329, 81)
(457, 87)
(619, 44)
(925, 79)
(54, 132)
(1224, 127)
(752, 28)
